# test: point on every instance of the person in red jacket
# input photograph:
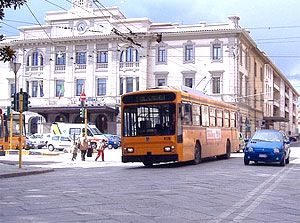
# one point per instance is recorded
(100, 148)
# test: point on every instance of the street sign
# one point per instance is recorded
(82, 97)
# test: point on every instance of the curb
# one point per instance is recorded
(25, 173)
(26, 152)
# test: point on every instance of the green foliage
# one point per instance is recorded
(8, 4)
(6, 53)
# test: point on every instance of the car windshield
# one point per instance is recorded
(268, 136)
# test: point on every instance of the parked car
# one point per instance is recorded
(59, 142)
(114, 141)
(29, 144)
(37, 141)
(268, 146)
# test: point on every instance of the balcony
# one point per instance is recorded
(129, 65)
(101, 66)
(80, 67)
(60, 68)
(34, 68)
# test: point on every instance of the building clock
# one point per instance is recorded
(81, 26)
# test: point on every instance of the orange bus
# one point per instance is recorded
(5, 131)
(164, 125)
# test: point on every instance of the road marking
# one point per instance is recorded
(249, 196)
(260, 198)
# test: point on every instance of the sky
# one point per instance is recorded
(273, 24)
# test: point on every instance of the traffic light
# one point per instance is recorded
(8, 111)
(15, 102)
(26, 102)
(82, 112)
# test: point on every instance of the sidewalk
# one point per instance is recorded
(10, 169)
(43, 161)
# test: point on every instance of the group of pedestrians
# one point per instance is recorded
(82, 145)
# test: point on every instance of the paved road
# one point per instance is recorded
(214, 191)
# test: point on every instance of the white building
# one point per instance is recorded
(105, 54)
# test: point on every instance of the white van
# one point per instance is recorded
(73, 130)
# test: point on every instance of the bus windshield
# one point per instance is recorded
(149, 120)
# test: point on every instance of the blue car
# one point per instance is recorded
(267, 146)
(114, 141)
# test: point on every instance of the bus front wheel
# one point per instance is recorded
(197, 156)
(148, 163)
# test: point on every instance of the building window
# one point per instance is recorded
(101, 86)
(216, 85)
(189, 53)
(79, 86)
(216, 51)
(129, 84)
(27, 86)
(41, 85)
(188, 82)
(60, 58)
(162, 55)
(102, 57)
(35, 59)
(59, 88)
(34, 88)
(161, 79)
(129, 54)
(121, 86)
(80, 57)
(137, 83)
(12, 89)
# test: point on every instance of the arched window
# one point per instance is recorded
(129, 55)
(35, 59)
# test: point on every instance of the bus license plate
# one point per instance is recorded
(262, 155)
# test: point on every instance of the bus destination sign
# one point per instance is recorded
(150, 97)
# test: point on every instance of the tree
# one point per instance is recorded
(7, 53)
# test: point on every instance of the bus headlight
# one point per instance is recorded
(169, 148)
(129, 150)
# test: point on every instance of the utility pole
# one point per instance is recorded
(21, 127)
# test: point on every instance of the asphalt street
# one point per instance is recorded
(110, 191)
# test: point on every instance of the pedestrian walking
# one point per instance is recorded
(100, 148)
(83, 146)
(75, 148)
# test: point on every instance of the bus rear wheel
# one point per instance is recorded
(197, 157)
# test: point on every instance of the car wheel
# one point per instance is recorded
(287, 160)
(109, 146)
(246, 161)
(51, 147)
(282, 162)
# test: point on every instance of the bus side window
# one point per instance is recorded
(187, 114)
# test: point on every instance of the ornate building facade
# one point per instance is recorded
(104, 54)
